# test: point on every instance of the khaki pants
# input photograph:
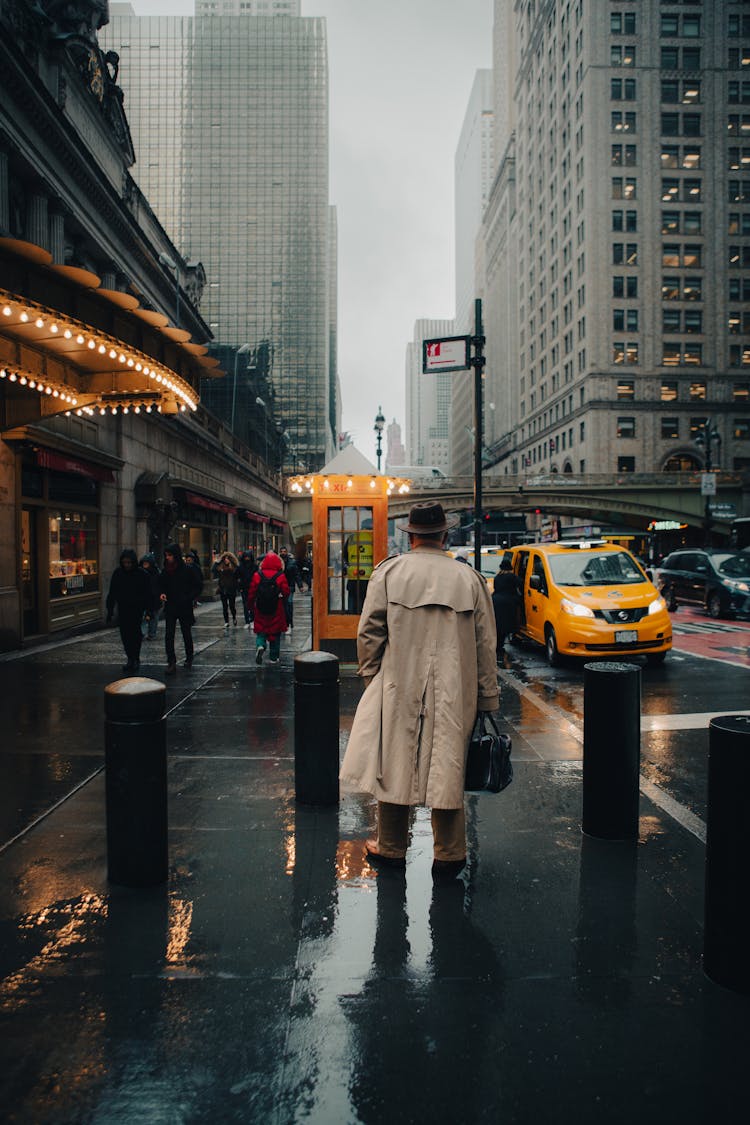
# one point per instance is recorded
(448, 830)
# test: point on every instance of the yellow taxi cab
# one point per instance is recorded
(589, 599)
(490, 559)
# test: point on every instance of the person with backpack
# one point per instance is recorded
(266, 596)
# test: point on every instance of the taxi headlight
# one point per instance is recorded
(657, 605)
(575, 608)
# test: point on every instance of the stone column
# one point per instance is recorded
(57, 237)
(4, 194)
(36, 221)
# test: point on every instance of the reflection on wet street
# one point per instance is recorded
(277, 977)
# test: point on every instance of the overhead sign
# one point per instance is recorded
(448, 354)
(708, 484)
(719, 508)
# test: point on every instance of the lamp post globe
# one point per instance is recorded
(378, 428)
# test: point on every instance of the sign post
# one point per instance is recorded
(453, 353)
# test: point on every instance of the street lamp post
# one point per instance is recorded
(170, 263)
(378, 427)
(240, 351)
(707, 437)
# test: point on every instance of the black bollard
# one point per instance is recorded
(316, 728)
(136, 782)
(611, 750)
(726, 959)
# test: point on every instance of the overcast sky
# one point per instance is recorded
(401, 72)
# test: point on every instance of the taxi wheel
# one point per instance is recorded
(553, 656)
(655, 658)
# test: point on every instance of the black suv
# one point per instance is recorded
(717, 580)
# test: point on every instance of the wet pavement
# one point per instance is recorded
(277, 978)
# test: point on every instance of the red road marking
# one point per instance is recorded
(727, 640)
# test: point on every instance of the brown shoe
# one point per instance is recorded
(375, 857)
(447, 868)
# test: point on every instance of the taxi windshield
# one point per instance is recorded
(594, 568)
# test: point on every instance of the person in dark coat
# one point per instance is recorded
(225, 571)
(151, 616)
(130, 592)
(247, 568)
(192, 559)
(179, 586)
(291, 573)
(506, 600)
(269, 625)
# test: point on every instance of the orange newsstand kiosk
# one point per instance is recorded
(349, 538)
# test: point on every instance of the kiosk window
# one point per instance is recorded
(350, 555)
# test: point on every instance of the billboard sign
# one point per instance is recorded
(448, 354)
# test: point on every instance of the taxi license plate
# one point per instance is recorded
(626, 636)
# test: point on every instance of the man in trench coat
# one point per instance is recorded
(426, 648)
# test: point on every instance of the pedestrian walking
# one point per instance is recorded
(292, 575)
(268, 590)
(192, 559)
(178, 590)
(130, 594)
(306, 572)
(247, 568)
(507, 597)
(226, 572)
(151, 616)
(426, 648)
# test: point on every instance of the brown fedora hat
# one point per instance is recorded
(427, 518)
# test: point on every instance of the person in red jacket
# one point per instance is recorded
(266, 596)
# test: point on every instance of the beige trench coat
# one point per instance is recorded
(426, 647)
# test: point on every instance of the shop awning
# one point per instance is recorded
(278, 523)
(48, 459)
(256, 517)
(205, 502)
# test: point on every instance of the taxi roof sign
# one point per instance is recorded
(448, 353)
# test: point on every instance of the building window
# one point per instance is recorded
(624, 254)
(668, 390)
(739, 256)
(670, 288)
(626, 464)
(623, 122)
(739, 289)
(741, 429)
(739, 355)
(671, 320)
(626, 427)
(741, 392)
(696, 426)
(693, 321)
(698, 390)
(622, 23)
(670, 429)
(626, 389)
(692, 355)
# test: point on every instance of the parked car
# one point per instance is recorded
(590, 599)
(717, 580)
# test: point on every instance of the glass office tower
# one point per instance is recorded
(229, 116)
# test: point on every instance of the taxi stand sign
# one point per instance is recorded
(448, 353)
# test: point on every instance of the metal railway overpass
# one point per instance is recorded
(631, 499)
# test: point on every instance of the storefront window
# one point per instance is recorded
(350, 557)
(73, 553)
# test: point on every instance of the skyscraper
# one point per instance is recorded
(229, 115)
(619, 214)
